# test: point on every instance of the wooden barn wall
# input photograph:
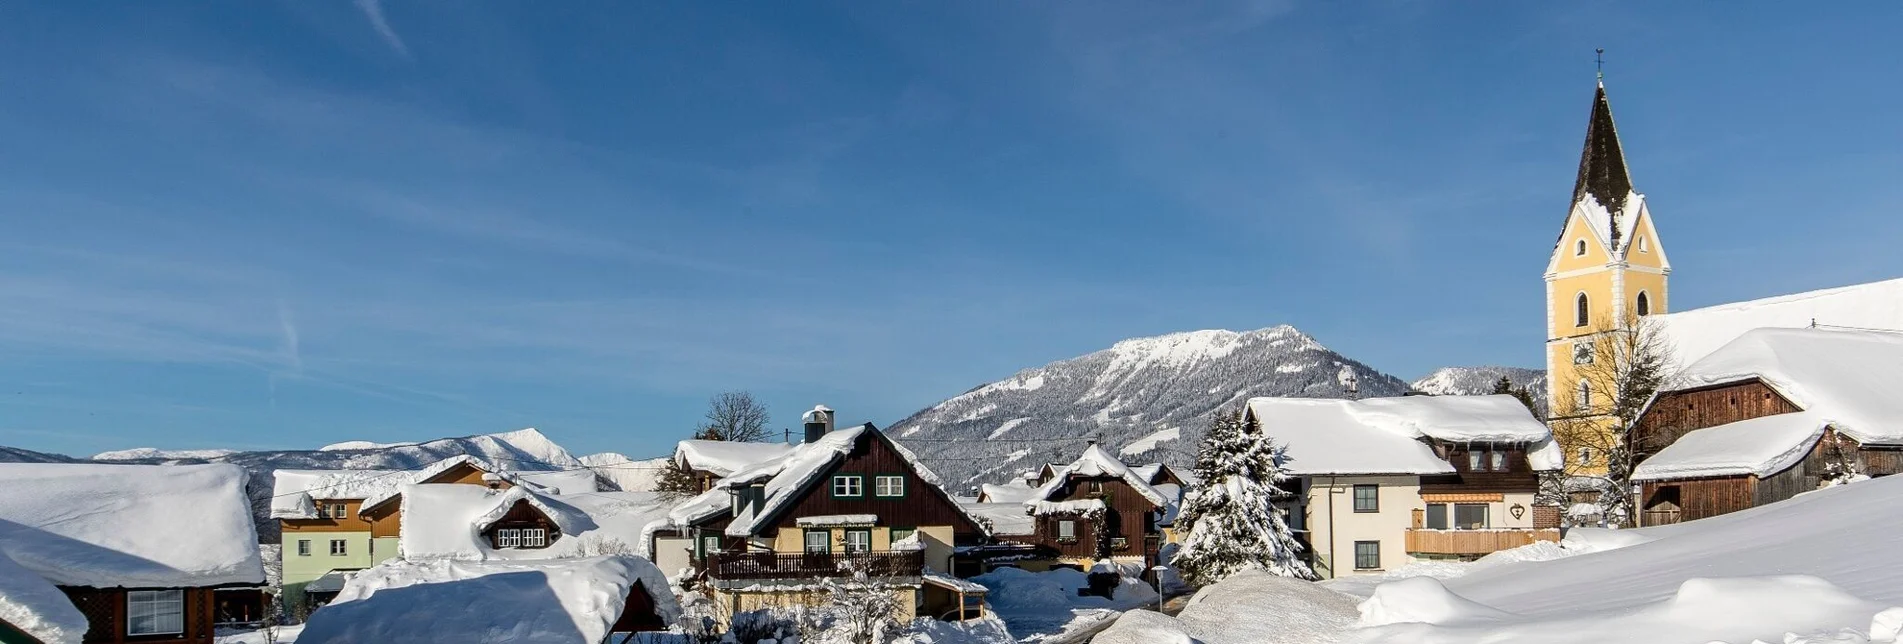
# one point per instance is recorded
(1086, 532)
(921, 505)
(1128, 510)
(1518, 477)
(1678, 413)
(1881, 461)
(1701, 498)
(105, 611)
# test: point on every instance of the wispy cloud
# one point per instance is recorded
(373, 10)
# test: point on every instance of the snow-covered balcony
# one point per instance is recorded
(733, 569)
(1474, 542)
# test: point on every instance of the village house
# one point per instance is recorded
(1770, 415)
(334, 522)
(1099, 509)
(1383, 482)
(709, 461)
(121, 553)
(844, 504)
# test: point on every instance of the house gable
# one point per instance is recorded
(1673, 414)
(522, 515)
(920, 504)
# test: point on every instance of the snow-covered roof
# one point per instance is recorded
(33, 605)
(1081, 506)
(1760, 446)
(723, 458)
(1846, 378)
(1382, 435)
(789, 476)
(1095, 462)
(163, 526)
(1695, 333)
(1008, 519)
(1013, 492)
(446, 520)
(555, 601)
(294, 492)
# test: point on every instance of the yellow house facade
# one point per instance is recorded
(1608, 269)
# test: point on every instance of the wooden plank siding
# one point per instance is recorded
(923, 504)
(1518, 476)
(1695, 498)
(1129, 517)
(105, 611)
(1675, 414)
(1474, 542)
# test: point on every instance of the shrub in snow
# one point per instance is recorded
(1229, 520)
(856, 612)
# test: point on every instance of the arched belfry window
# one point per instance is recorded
(1583, 398)
(1581, 313)
(1644, 305)
(1579, 248)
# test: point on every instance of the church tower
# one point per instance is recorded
(1608, 270)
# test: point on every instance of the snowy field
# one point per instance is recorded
(1823, 567)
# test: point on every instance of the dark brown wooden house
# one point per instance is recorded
(1099, 508)
(1771, 415)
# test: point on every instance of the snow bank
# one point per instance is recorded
(1145, 627)
(32, 604)
(566, 600)
(1425, 600)
(129, 525)
(1761, 446)
(1845, 378)
(1256, 607)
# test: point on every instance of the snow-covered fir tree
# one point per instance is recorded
(1229, 522)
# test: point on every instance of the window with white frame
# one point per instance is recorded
(1066, 530)
(337, 511)
(709, 545)
(819, 541)
(1498, 460)
(1582, 399)
(849, 485)
(858, 541)
(155, 612)
(303, 547)
(889, 486)
(522, 538)
(339, 547)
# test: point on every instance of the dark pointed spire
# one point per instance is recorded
(1602, 171)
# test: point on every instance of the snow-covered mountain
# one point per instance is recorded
(150, 453)
(1149, 398)
(1470, 381)
(626, 473)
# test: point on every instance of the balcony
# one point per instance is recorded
(753, 567)
(1474, 542)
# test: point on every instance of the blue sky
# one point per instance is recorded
(279, 224)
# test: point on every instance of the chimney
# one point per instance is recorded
(819, 422)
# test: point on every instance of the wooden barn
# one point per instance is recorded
(1773, 414)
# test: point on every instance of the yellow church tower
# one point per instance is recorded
(1608, 270)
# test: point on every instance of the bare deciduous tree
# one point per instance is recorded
(1618, 373)
(734, 416)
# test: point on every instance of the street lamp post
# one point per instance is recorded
(1159, 586)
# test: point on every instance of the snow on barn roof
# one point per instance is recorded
(446, 520)
(1694, 334)
(1760, 446)
(1382, 435)
(36, 607)
(554, 601)
(723, 458)
(1098, 462)
(1847, 378)
(134, 526)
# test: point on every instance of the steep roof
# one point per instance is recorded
(1847, 379)
(1695, 333)
(554, 600)
(134, 526)
(1095, 461)
(1383, 435)
(445, 521)
(1602, 169)
(792, 476)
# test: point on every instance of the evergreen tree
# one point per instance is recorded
(1228, 520)
(675, 482)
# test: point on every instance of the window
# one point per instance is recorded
(1066, 530)
(1470, 516)
(889, 486)
(1579, 248)
(1437, 516)
(1473, 461)
(521, 538)
(1644, 248)
(849, 485)
(709, 545)
(337, 548)
(901, 534)
(508, 538)
(858, 541)
(1585, 455)
(1582, 399)
(1644, 305)
(819, 541)
(1096, 487)
(1367, 498)
(1581, 312)
(1367, 555)
(303, 547)
(155, 612)
(337, 511)
(1498, 460)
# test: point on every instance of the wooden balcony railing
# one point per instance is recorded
(767, 565)
(1475, 542)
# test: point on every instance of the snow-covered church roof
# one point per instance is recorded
(446, 520)
(557, 600)
(1848, 379)
(1695, 333)
(1383, 435)
(134, 526)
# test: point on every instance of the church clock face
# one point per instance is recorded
(1582, 352)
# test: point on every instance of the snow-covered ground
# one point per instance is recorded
(1822, 567)
(1044, 606)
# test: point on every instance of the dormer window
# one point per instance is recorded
(1579, 248)
(522, 538)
